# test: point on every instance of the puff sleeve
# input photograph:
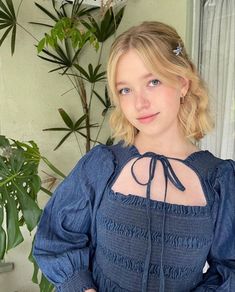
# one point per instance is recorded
(63, 242)
(221, 273)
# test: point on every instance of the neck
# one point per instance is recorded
(169, 144)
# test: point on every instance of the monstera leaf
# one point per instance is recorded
(19, 185)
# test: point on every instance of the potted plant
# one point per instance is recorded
(72, 28)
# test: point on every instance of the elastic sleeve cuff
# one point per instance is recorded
(79, 282)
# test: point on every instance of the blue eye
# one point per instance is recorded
(124, 91)
(154, 82)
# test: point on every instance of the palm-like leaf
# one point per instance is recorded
(105, 101)
(78, 12)
(8, 22)
(72, 127)
(48, 13)
(92, 75)
(107, 26)
(61, 58)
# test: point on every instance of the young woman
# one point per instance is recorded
(147, 213)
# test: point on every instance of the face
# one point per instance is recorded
(148, 104)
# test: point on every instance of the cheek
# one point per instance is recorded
(124, 105)
(172, 99)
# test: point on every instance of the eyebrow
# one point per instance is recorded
(145, 76)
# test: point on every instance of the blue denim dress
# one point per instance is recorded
(92, 237)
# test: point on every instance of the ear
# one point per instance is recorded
(184, 86)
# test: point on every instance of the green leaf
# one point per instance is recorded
(52, 61)
(63, 140)
(57, 12)
(41, 24)
(82, 71)
(79, 121)
(14, 235)
(97, 69)
(45, 285)
(59, 68)
(56, 129)
(3, 170)
(66, 118)
(46, 52)
(19, 186)
(3, 25)
(2, 235)
(5, 16)
(41, 45)
(31, 151)
(92, 76)
(16, 160)
(30, 209)
(56, 170)
(4, 142)
(8, 21)
(63, 56)
(2, 243)
(107, 26)
(46, 191)
(47, 12)
(109, 141)
(100, 98)
(11, 8)
(13, 40)
(90, 69)
(35, 266)
(5, 35)
(3, 6)
(36, 185)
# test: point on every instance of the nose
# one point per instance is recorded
(141, 100)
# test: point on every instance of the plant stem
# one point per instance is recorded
(101, 50)
(88, 130)
(46, 191)
(91, 95)
(18, 10)
(27, 31)
(100, 128)
(78, 143)
(93, 84)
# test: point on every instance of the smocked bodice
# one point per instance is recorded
(122, 240)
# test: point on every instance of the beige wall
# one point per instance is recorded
(30, 97)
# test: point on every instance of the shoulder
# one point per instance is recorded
(225, 174)
(101, 161)
(98, 154)
(207, 163)
(96, 163)
(219, 173)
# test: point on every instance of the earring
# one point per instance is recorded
(182, 99)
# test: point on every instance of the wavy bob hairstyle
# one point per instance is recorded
(163, 53)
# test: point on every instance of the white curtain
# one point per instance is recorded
(217, 67)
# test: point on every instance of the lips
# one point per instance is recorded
(147, 118)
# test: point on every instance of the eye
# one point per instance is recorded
(124, 91)
(154, 82)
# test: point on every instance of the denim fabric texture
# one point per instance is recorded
(92, 237)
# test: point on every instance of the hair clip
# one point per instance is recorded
(178, 50)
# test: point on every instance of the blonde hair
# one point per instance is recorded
(155, 43)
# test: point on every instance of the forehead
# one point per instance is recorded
(131, 65)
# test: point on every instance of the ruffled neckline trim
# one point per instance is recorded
(190, 157)
(138, 201)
